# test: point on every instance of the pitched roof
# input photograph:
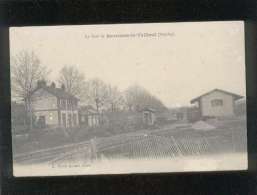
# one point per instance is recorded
(236, 96)
(58, 92)
(148, 109)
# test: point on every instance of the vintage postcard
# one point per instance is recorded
(128, 98)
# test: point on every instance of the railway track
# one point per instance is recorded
(156, 145)
(49, 154)
(169, 143)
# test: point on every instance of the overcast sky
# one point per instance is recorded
(190, 59)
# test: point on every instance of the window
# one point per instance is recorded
(41, 122)
(68, 104)
(69, 120)
(75, 119)
(217, 102)
(74, 105)
(51, 116)
(63, 104)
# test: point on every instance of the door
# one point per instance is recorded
(146, 118)
(69, 120)
(75, 119)
(42, 122)
(64, 120)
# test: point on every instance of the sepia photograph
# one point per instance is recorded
(128, 98)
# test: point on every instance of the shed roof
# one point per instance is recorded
(148, 109)
(236, 96)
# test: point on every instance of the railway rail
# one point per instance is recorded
(49, 154)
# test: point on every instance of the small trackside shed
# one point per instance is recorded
(148, 115)
(216, 103)
(88, 116)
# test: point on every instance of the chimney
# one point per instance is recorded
(41, 83)
(63, 87)
(53, 85)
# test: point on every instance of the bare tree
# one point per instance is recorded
(137, 98)
(73, 80)
(26, 70)
(97, 93)
(115, 99)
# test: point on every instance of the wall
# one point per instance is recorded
(93, 120)
(150, 116)
(50, 116)
(226, 110)
(67, 112)
(42, 100)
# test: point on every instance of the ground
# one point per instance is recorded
(202, 138)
